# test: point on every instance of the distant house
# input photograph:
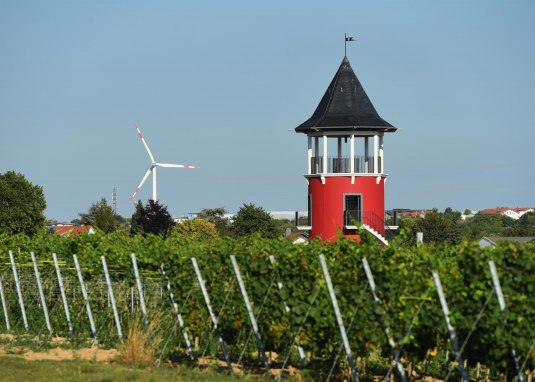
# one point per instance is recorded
(491, 241)
(298, 237)
(468, 216)
(523, 210)
(513, 213)
(69, 230)
(413, 213)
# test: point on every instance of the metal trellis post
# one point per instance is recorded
(287, 311)
(86, 299)
(250, 312)
(391, 343)
(4, 305)
(451, 329)
(19, 291)
(339, 320)
(501, 302)
(41, 294)
(112, 298)
(140, 292)
(177, 313)
(63, 296)
(211, 312)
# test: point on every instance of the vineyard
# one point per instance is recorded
(334, 311)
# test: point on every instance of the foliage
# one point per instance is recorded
(525, 226)
(152, 219)
(156, 219)
(402, 276)
(448, 228)
(22, 205)
(196, 230)
(282, 225)
(216, 216)
(136, 221)
(252, 219)
(100, 215)
(439, 228)
(484, 225)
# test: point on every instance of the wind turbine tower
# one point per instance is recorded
(153, 167)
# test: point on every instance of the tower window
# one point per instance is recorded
(352, 209)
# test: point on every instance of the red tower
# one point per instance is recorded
(345, 176)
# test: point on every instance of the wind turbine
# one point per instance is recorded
(152, 169)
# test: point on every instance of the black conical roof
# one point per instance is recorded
(345, 106)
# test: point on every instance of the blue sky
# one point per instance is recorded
(219, 83)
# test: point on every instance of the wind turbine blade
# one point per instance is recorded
(175, 165)
(142, 181)
(145, 144)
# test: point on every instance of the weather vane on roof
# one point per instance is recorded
(346, 39)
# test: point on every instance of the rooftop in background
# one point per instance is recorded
(513, 213)
(68, 230)
(345, 106)
(492, 241)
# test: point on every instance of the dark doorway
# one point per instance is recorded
(352, 209)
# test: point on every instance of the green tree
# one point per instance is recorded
(484, 225)
(99, 215)
(216, 216)
(197, 230)
(22, 205)
(437, 227)
(153, 218)
(440, 228)
(136, 221)
(251, 219)
(282, 224)
(525, 226)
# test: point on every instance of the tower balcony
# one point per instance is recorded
(342, 165)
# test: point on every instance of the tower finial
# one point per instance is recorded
(346, 39)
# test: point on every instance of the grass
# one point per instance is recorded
(139, 349)
(18, 369)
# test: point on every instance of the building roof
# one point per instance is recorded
(68, 230)
(522, 209)
(494, 211)
(345, 106)
(512, 239)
